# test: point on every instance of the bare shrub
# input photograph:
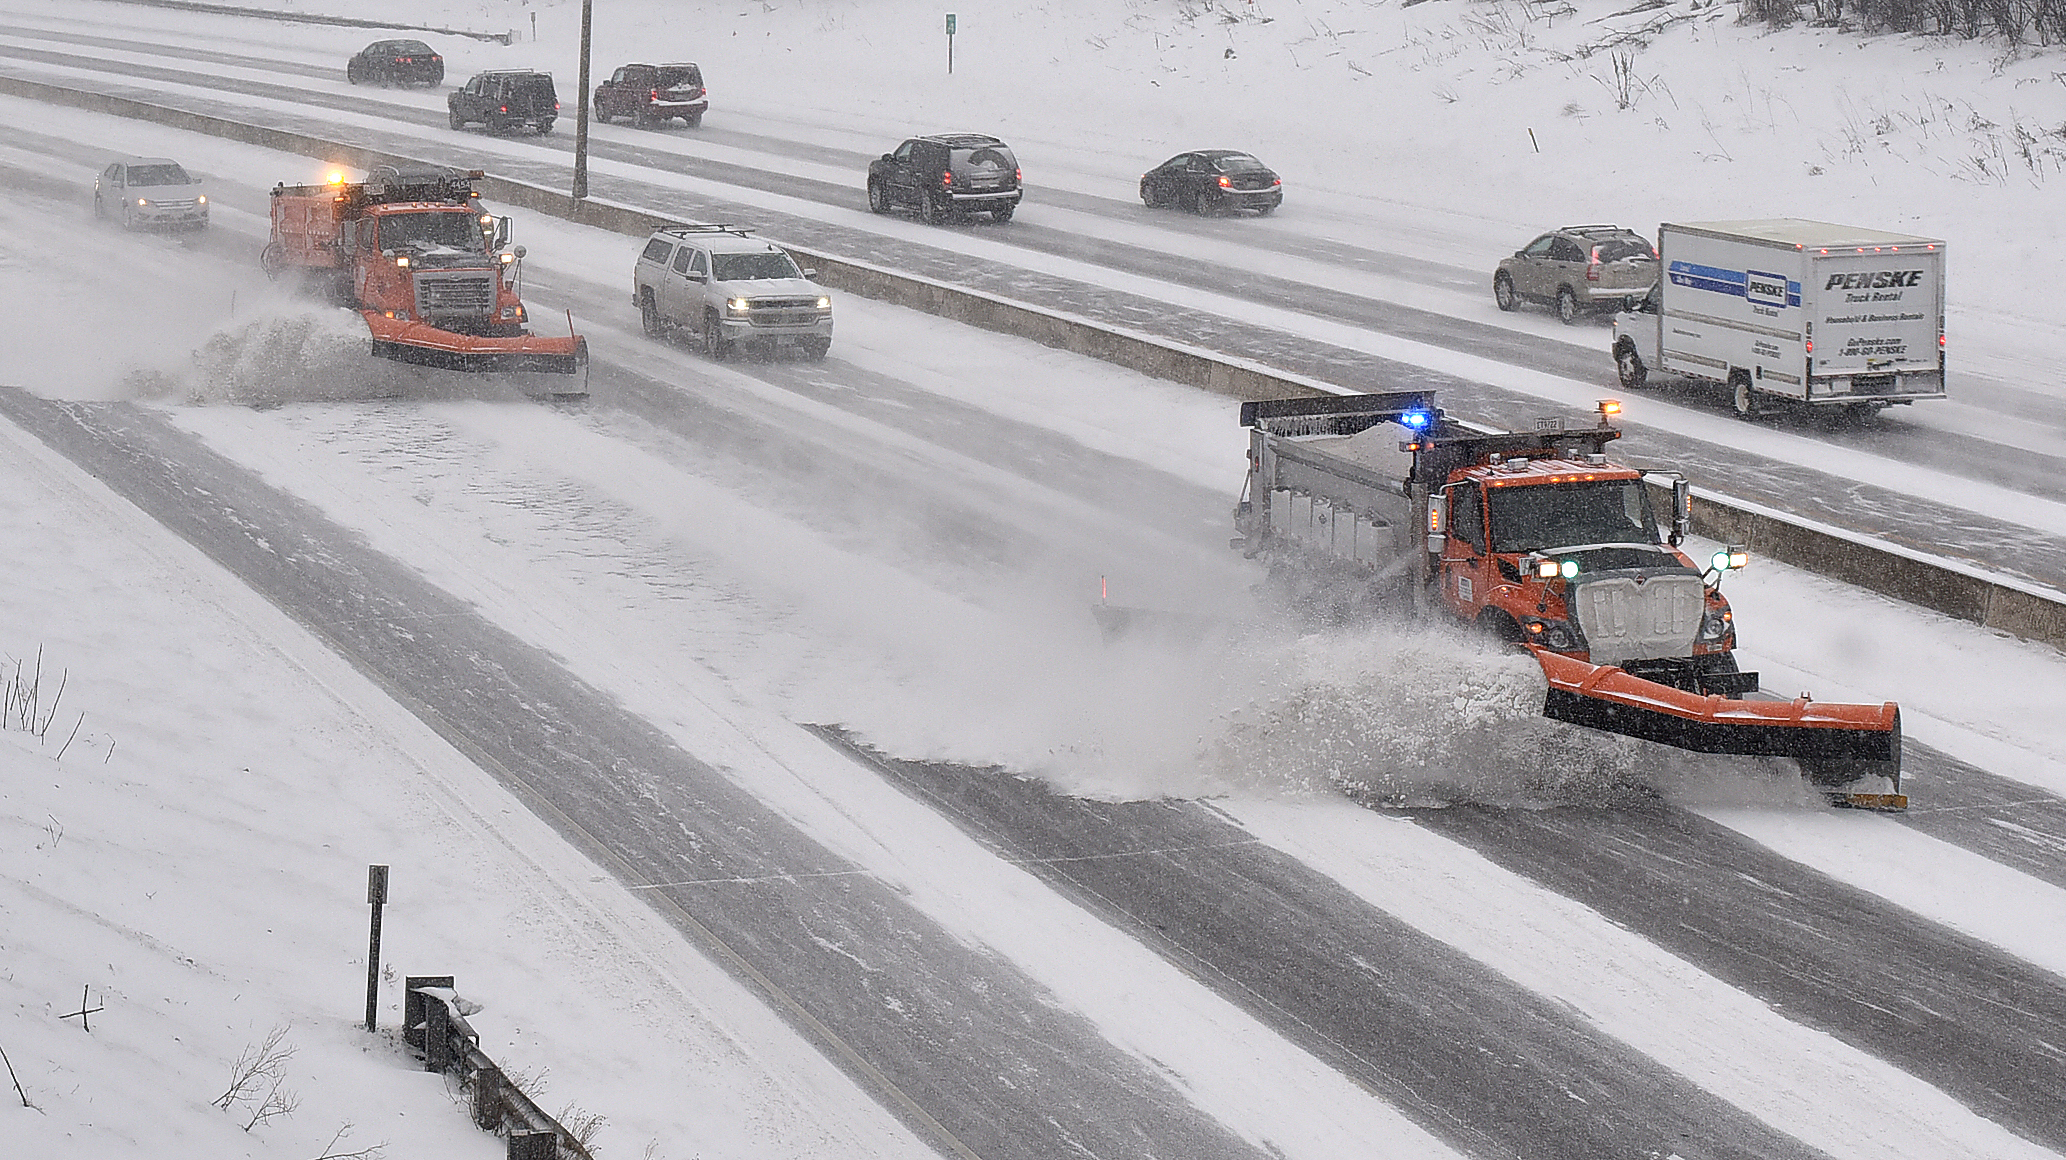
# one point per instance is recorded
(257, 1067)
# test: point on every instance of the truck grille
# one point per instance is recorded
(455, 293)
(1636, 616)
(783, 312)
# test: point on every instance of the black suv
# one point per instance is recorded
(652, 94)
(506, 100)
(944, 175)
(396, 62)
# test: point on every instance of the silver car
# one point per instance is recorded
(150, 191)
(1578, 269)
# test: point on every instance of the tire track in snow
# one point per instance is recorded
(1960, 1014)
(1470, 1052)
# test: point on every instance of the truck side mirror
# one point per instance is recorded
(1681, 510)
(501, 233)
(1438, 521)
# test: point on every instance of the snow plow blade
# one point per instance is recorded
(422, 344)
(1835, 744)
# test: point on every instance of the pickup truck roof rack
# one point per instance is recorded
(708, 228)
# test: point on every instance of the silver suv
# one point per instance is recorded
(1577, 269)
(729, 288)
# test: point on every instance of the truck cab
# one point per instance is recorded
(1567, 555)
(436, 263)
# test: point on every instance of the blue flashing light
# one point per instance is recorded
(1415, 420)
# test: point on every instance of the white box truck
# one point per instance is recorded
(1789, 311)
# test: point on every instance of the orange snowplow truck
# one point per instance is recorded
(413, 252)
(1541, 541)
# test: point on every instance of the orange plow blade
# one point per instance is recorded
(1834, 743)
(425, 345)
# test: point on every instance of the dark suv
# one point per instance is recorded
(944, 175)
(652, 93)
(503, 101)
(396, 62)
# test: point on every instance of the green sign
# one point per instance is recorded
(950, 24)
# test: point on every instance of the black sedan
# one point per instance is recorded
(396, 62)
(1212, 180)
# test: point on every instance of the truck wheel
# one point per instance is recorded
(1743, 396)
(1629, 365)
(1567, 305)
(693, 120)
(878, 198)
(1499, 626)
(816, 349)
(649, 316)
(931, 210)
(1003, 212)
(458, 122)
(1503, 291)
(714, 343)
(269, 261)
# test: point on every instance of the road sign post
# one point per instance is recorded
(950, 44)
(376, 896)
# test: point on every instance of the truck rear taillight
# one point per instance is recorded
(654, 95)
(1811, 346)
(947, 177)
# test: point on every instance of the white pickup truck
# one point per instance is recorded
(729, 289)
(1785, 311)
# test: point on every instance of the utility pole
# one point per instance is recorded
(581, 111)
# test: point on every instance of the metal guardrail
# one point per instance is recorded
(433, 1023)
(2023, 609)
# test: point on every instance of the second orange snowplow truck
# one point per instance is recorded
(1537, 538)
(412, 251)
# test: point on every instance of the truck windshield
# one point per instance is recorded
(753, 267)
(1614, 511)
(460, 230)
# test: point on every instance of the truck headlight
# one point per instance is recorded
(1716, 625)
(143, 201)
(509, 312)
(202, 199)
(824, 303)
(1550, 634)
(738, 305)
